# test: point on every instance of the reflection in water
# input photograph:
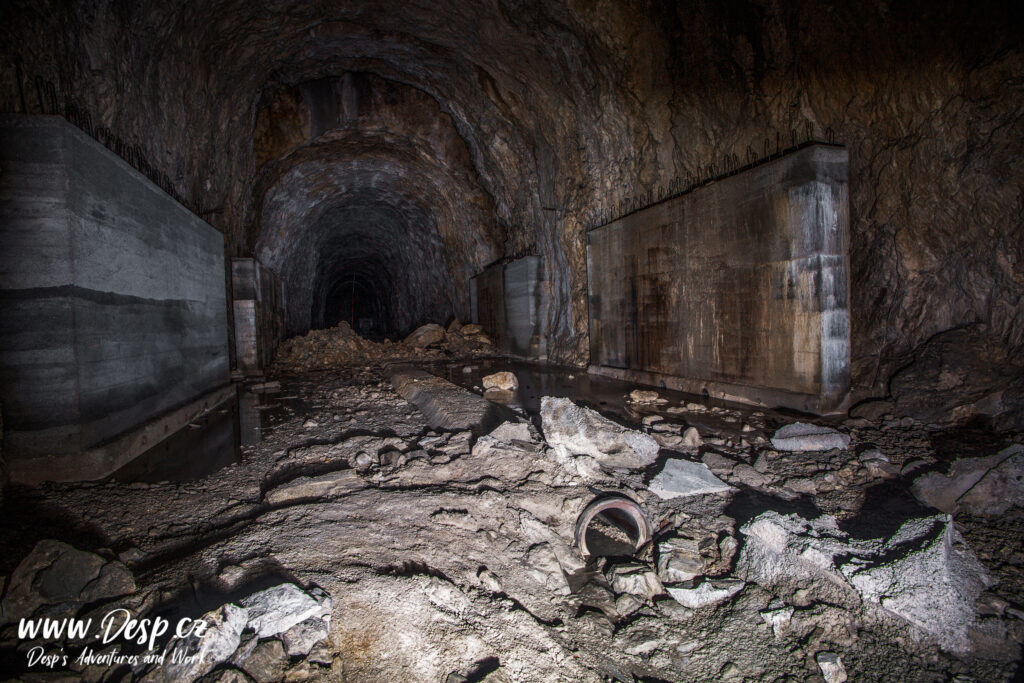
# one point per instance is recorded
(606, 395)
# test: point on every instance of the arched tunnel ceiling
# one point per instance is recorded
(566, 107)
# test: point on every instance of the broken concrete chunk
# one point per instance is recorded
(277, 609)
(636, 579)
(503, 381)
(986, 486)
(831, 665)
(707, 594)
(679, 560)
(681, 478)
(933, 580)
(511, 432)
(801, 436)
(573, 430)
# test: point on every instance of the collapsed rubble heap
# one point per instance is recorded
(341, 345)
(450, 556)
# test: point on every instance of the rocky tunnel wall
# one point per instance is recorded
(561, 112)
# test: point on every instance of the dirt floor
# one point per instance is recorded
(450, 557)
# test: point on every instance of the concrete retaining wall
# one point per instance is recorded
(507, 302)
(258, 308)
(113, 299)
(739, 288)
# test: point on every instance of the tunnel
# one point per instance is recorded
(511, 340)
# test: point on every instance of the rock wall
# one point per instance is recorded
(567, 108)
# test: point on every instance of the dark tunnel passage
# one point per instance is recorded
(371, 212)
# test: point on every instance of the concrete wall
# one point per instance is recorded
(507, 301)
(258, 308)
(739, 287)
(113, 300)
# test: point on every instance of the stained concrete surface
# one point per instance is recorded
(740, 287)
(114, 309)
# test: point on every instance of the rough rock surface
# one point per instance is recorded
(58, 576)
(988, 486)
(924, 573)
(460, 549)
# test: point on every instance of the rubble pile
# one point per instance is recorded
(341, 346)
(569, 547)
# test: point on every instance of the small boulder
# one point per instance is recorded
(801, 436)
(503, 381)
(55, 573)
(644, 396)
(277, 609)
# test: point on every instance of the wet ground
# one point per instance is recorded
(456, 553)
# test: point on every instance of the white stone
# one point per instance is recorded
(831, 666)
(779, 619)
(684, 478)
(706, 594)
(801, 436)
(277, 609)
(573, 430)
(924, 574)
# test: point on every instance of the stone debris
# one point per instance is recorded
(447, 547)
(679, 560)
(340, 346)
(680, 478)
(277, 609)
(189, 658)
(831, 665)
(777, 617)
(923, 574)
(301, 618)
(707, 594)
(800, 436)
(986, 486)
(502, 381)
(572, 431)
